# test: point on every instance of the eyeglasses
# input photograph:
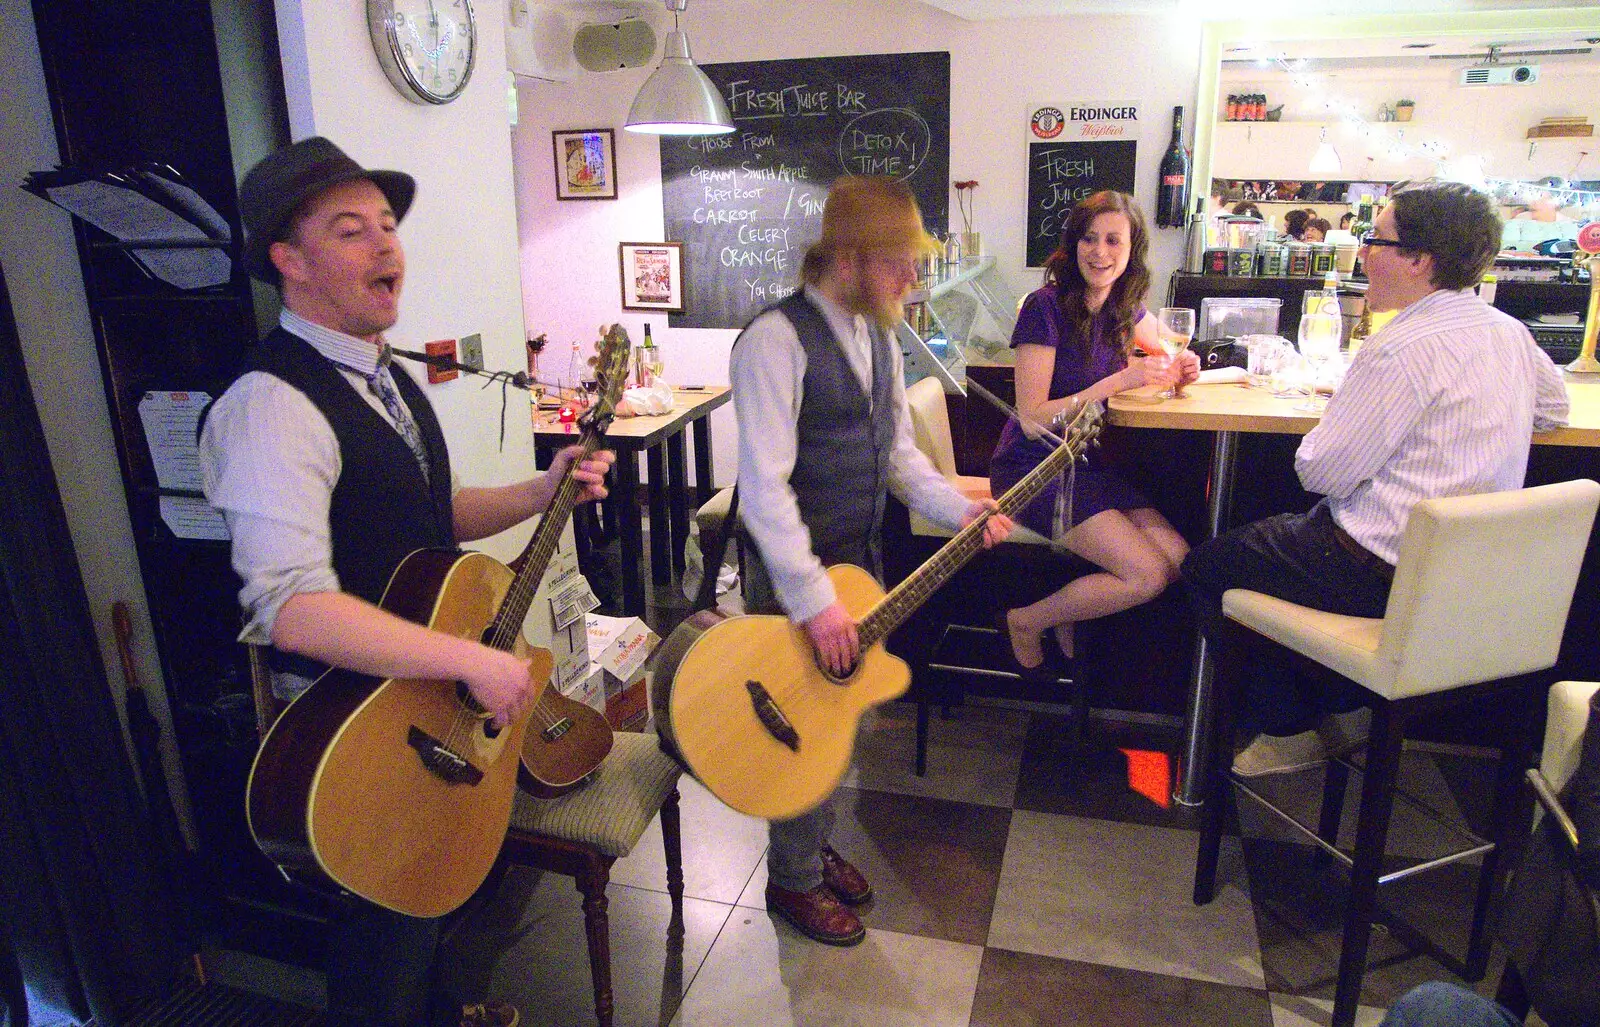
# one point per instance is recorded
(1372, 239)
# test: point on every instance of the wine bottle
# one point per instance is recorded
(1172, 194)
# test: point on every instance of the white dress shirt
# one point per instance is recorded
(1442, 401)
(767, 372)
(269, 461)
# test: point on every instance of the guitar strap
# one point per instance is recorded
(1061, 517)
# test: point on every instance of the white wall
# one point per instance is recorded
(460, 235)
(999, 70)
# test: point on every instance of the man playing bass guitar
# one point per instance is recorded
(330, 467)
(824, 436)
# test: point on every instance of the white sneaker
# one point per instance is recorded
(1346, 732)
(1280, 754)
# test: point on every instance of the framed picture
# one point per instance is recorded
(586, 164)
(652, 276)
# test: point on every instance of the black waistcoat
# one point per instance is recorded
(382, 506)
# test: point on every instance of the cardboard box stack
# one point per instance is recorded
(599, 661)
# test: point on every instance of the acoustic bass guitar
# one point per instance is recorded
(747, 707)
(399, 790)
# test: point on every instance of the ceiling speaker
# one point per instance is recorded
(539, 41)
(630, 43)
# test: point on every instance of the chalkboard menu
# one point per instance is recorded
(746, 205)
(1061, 174)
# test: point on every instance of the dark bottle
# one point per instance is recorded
(1172, 193)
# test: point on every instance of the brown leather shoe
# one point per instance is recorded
(844, 880)
(817, 915)
(490, 1014)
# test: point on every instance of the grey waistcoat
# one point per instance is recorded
(841, 471)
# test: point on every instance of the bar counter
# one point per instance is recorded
(1238, 407)
(1229, 409)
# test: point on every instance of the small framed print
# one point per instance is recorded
(586, 164)
(652, 276)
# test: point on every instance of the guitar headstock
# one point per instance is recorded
(611, 370)
(1085, 428)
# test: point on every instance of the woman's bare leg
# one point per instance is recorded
(1140, 553)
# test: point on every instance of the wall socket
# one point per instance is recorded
(472, 350)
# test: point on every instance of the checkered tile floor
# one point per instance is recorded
(1019, 882)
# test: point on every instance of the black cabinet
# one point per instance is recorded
(133, 82)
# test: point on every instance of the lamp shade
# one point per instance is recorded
(1326, 160)
(677, 99)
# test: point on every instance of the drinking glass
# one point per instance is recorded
(1319, 343)
(1174, 329)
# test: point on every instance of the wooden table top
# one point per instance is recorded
(646, 429)
(1238, 407)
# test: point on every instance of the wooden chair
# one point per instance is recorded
(579, 834)
(1480, 599)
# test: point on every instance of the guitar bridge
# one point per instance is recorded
(441, 760)
(771, 716)
(557, 729)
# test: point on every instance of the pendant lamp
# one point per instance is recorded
(1326, 160)
(677, 99)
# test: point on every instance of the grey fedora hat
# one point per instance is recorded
(274, 188)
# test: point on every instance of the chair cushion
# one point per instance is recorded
(614, 807)
(1345, 645)
(1563, 732)
(714, 511)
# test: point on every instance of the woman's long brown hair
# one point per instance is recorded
(1127, 292)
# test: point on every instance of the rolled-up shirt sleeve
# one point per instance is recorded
(269, 461)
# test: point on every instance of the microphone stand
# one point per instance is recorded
(517, 379)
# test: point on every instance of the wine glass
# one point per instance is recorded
(1319, 343)
(1174, 329)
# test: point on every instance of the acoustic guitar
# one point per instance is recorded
(399, 790)
(745, 704)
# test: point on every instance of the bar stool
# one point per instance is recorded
(1480, 598)
(952, 649)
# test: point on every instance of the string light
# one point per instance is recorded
(1467, 168)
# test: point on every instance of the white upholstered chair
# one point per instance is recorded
(930, 423)
(1480, 598)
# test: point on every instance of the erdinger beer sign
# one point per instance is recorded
(1070, 121)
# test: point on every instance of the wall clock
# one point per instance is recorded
(426, 47)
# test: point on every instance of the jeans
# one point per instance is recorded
(1437, 1004)
(1294, 557)
(381, 970)
(794, 847)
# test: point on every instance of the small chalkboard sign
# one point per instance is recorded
(1061, 174)
(748, 204)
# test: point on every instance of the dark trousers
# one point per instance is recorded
(381, 970)
(1294, 557)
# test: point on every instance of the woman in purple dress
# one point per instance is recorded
(1074, 338)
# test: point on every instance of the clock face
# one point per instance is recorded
(426, 47)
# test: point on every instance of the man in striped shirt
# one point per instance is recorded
(1441, 402)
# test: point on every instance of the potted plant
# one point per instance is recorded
(1403, 109)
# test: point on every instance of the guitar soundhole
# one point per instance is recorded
(465, 698)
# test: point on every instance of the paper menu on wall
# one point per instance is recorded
(171, 423)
